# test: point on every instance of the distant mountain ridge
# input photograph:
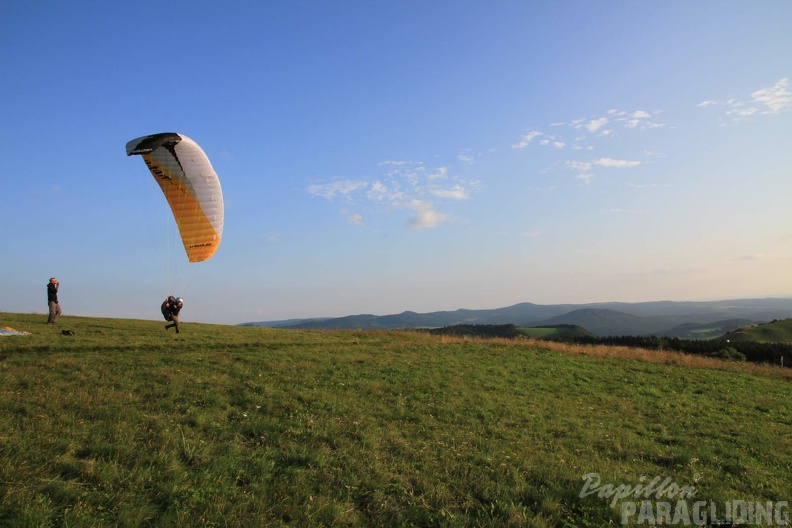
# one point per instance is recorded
(611, 318)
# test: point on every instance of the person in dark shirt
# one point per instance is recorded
(170, 311)
(52, 300)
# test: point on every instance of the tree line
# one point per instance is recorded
(722, 348)
(508, 331)
(775, 353)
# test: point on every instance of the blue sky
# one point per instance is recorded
(377, 157)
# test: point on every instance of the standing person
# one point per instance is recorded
(170, 311)
(52, 300)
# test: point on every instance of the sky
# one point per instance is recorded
(377, 157)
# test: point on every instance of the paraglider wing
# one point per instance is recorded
(191, 187)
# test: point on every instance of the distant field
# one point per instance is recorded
(124, 424)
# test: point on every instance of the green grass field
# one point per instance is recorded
(775, 332)
(124, 424)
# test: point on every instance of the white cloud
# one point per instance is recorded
(592, 127)
(741, 111)
(341, 188)
(579, 165)
(582, 147)
(440, 174)
(526, 139)
(582, 168)
(596, 124)
(396, 163)
(457, 192)
(765, 101)
(593, 132)
(402, 185)
(355, 219)
(616, 164)
(776, 98)
(532, 234)
(425, 216)
(466, 156)
(379, 191)
(551, 141)
(640, 119)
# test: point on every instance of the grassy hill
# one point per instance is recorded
(124, 424)
(774, 332)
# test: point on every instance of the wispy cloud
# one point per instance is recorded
(457, 193)
(615, 164)
(775, 99)
(638, 119)
(399, 185)
(337, 189)
(595, 124)
(426, 216)
(581, 166)
(466, 156)
(552, 141)
(353, 218)
(580, 134)
(584, 169)
(772, 100)
(526, 139)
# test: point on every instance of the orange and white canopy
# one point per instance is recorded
(191, 187)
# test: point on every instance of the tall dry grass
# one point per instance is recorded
(669, 357)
